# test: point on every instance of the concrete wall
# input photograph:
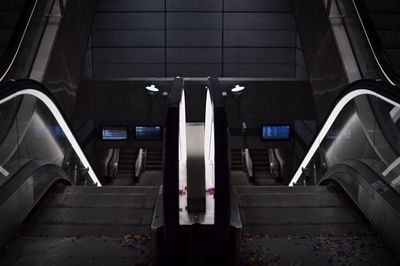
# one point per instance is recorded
(191, 38)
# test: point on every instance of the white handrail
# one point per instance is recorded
(249, 162)
(20, 42)
(139, 162)
(371, 46)
(329, 122)
(63, 124)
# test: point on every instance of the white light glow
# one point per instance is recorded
(209, 146)
(63, 124)
(329, 122)
(237, 88)
(182, 144)
(152, 88)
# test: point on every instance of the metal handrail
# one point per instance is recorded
(248, 163)
(11, 90)
(353, 90)
(139, 164)
(375, 44)
(14, 45)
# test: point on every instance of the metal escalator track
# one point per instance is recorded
(380, 21)
(21, 26)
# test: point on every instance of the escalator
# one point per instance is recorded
(386, 20)
(10, 12)
(152, 174)
(238, 175)
(352, 216)
(312, 225)
(379, 23)
(46, 219)
(261, 167)
(22, 23)
(86, 225)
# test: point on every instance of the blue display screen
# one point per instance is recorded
(276, 132)
(56, 131)
(148, 132)
(114, 133)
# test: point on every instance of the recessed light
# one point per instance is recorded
(238, 88)
(152, 88)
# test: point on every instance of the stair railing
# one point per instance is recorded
(140, 164)
(248, 164)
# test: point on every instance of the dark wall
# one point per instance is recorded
(63, 70)
(191, 38)
(267, 102)
(112, 101)
(322, 58)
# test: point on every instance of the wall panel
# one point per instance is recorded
(224, 38)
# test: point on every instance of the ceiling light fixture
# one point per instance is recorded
(238, 88)
(152, 88)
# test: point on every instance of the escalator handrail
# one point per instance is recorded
(11, 89)
(170, 187)
(222, 160)
(358, 88)
(14, 44)
(375, 43)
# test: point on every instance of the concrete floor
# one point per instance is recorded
(78, 250)
(150, 178)
(298, 250)
(239, 178)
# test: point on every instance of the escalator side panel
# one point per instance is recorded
(21, 193)
(377, 200)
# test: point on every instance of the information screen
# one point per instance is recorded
(56, 131)
(114, 133)
(276, 132)
(148, 132)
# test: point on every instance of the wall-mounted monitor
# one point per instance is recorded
(276, 132)
(114, 133)
(148, 132)
(56, 131)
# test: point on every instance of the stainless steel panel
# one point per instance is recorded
(196, 172)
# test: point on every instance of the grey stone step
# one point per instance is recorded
(283, 189)
(150, 178)
(299, 215)
(110, 190)
(84, 200)
(274, 200)
(265, 182)
(93, 216)
(306, 229)
(67, 230)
